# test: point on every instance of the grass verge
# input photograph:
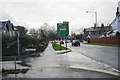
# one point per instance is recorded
(112, 45)
(57, 47)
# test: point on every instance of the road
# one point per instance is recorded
(104, 54)
(70, 65)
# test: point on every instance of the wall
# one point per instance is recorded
(108, 40)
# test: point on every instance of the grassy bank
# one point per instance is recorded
(112, 45)
(57, 47)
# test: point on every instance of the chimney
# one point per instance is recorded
(117, 11)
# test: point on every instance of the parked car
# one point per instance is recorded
(75, 43)
(62, 42)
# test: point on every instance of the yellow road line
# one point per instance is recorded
(85, 68)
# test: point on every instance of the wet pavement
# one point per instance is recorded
(103, 54)
(54, 65)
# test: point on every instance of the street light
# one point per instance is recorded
(18, 43)
(95, 17)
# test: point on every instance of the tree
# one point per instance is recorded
(102, 28)
(22, 30)
(102, 25)
(52, 34)
(33, 32)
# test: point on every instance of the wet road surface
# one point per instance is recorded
(103, 54)
(53, 65)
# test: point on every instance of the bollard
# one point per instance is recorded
(15, 62)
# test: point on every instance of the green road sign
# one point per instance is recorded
(62, 29)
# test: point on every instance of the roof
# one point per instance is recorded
(112, 34)
(6, 24)
(10, 25)
(115, 18)
(3, 24)
(95, 29)
(94, 35)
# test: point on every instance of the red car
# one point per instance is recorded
(62, 42)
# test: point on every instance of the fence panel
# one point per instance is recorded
(104, 40)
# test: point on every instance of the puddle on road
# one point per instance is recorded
(27, 60)
(23, 63)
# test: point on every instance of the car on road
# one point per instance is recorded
(62, 42)
(75, 43)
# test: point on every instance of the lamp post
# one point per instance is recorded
(18, 43)
(95, 22)
(95, 17)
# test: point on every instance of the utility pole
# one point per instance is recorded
(96, 18)
(18, 43)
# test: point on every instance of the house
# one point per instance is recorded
(95, 32)
(116, 22)
(7, 28)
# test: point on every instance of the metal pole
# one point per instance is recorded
(119, 23)
(60, 44)
(15, 62)
(54, 43)
(18, 44)
(66, 43)
(96, 18)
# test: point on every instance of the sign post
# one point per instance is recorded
(63, 31)
(60, 44)
(66, 43)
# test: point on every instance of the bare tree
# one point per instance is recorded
(52, 33)
(33, 32)
(80, 30)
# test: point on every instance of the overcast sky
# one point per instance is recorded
(34, 13)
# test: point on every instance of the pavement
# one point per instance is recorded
(67, 65)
